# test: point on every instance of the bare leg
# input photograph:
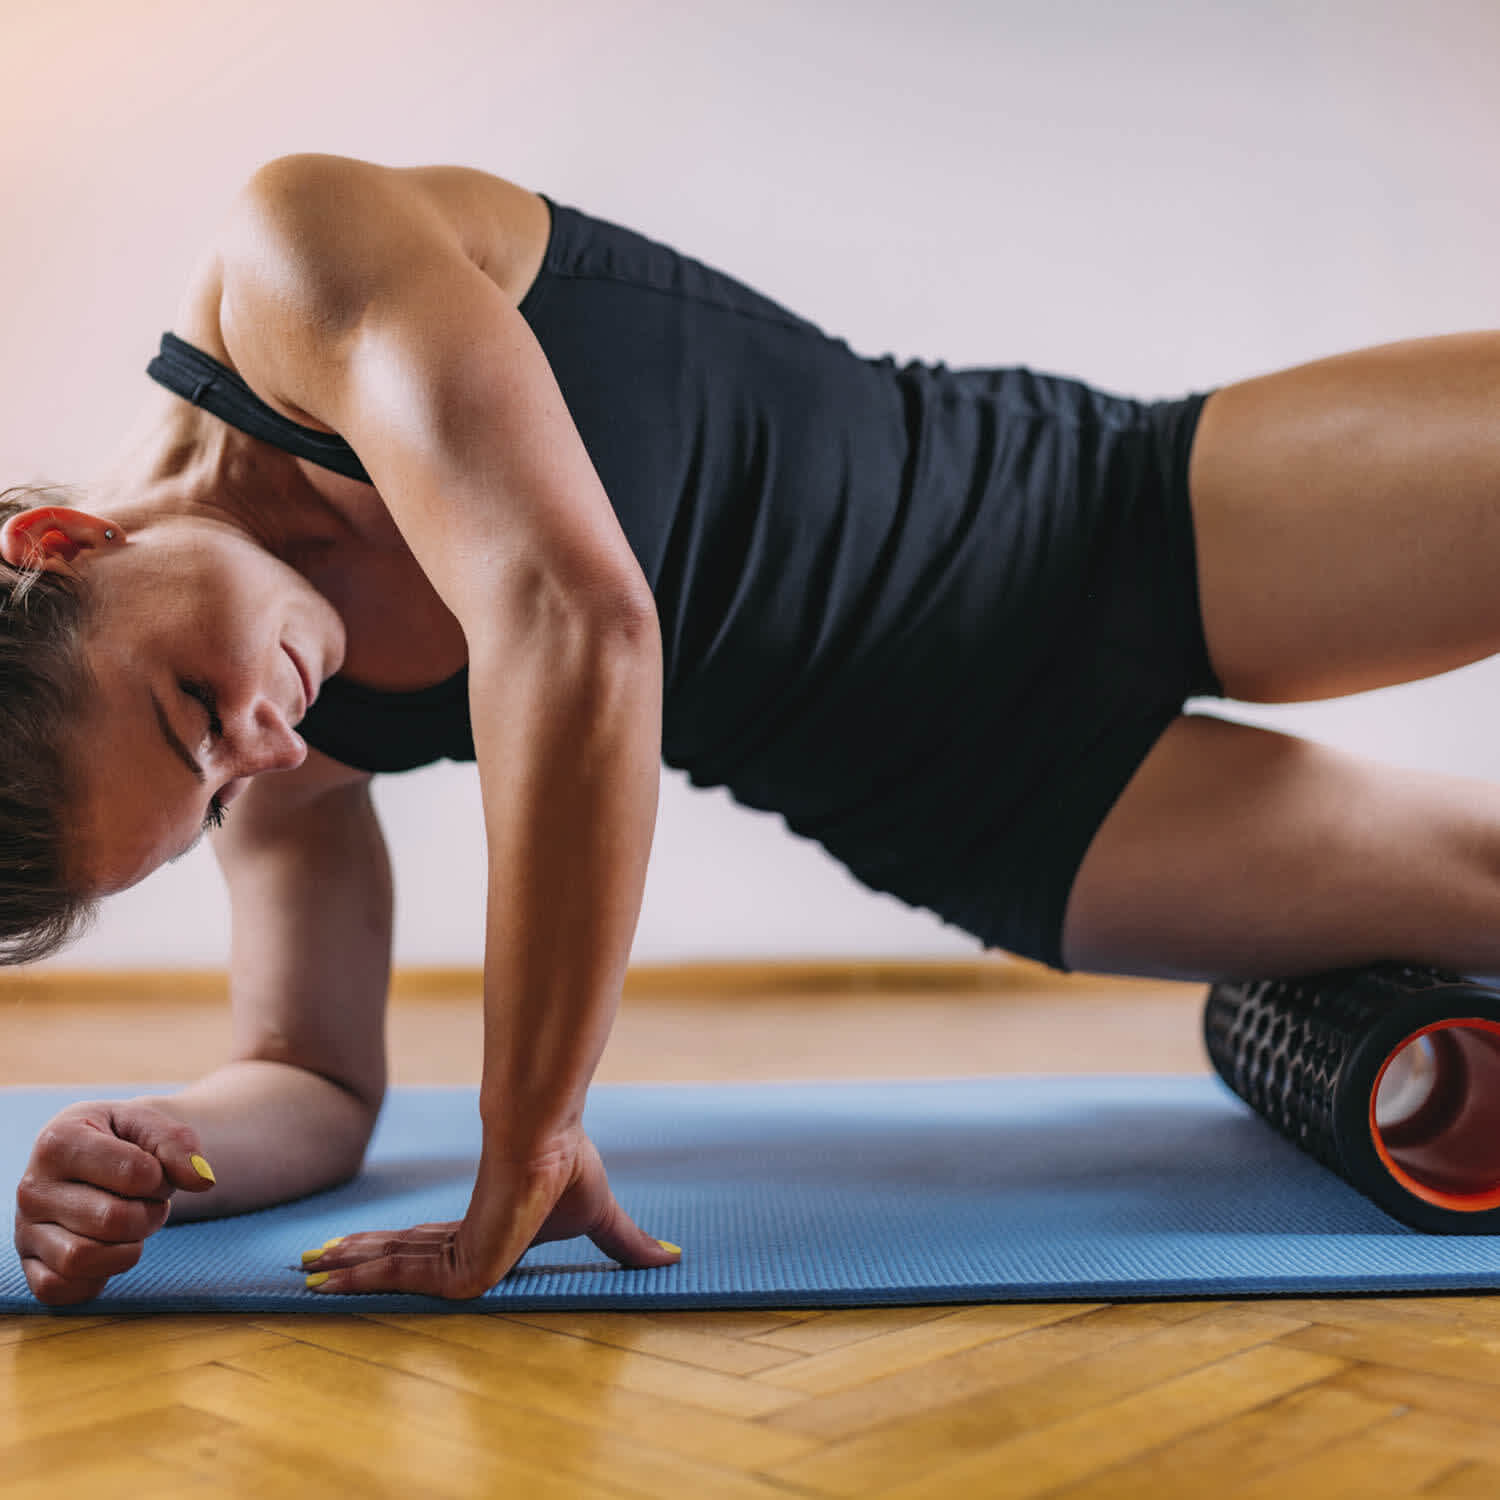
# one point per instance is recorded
(1347, 518)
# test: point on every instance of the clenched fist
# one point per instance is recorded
(99, 1183)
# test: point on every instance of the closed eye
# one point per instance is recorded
(202, 692)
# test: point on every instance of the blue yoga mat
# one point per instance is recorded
(837, 1195)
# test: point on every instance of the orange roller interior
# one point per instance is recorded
(1435, 1114)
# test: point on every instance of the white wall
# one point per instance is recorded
(1155, 196)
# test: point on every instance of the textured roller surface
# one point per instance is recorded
(1307, 1055)
(839, 1195)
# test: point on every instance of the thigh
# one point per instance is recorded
(1237, 852)
(1347, 519)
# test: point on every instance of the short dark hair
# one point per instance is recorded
(45, 686)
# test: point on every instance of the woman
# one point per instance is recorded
(445, 469)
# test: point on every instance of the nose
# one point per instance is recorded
(261, 739)
(232, 789)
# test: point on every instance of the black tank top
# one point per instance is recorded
(844, 554)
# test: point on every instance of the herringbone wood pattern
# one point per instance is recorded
(1276, 1398)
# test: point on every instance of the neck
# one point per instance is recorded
(180, 461)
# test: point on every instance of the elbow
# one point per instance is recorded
(615, 651)
(348, 1118)
(634, 615)
(354, 1142)
(608, 601)
(621, 611)
(345, 1168)
(366, 1112)
(544, 608)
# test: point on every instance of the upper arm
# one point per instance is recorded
(349, 295)
(311, 902)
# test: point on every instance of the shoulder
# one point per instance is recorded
(334, 229)
(311, 238)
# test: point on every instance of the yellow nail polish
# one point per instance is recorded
(202, 1168)
(338, 1239)
(317, 1278)
(668, 1245)
(311, 1255)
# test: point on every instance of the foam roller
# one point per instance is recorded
(1388, 1074)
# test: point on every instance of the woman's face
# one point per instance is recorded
(196, 646)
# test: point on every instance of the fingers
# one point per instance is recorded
(85, 1149)
(63, 1267)
(353, 1249)
(607, 1224)
(428, 1267)
(123, 1147)
(54, 1290)
(173, 1144)
(424, 1260)
(622, 1239)
(98, 1184)
(89, 1211)
(430, 1260)
(426, 1273)
(76, 1258)
(508, 1213)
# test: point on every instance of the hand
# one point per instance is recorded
(99, 1183)
(515, 1205)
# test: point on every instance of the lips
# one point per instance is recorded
(309, 695)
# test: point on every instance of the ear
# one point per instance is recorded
(52, 534)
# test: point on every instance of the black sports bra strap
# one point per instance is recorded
(201, 379)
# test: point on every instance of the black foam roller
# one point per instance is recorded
(1388, 1074)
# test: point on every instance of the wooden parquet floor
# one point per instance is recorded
(1270, 1399)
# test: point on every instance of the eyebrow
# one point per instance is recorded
(183, 754)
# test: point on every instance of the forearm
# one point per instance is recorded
(271, 1132)
(569, 745)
